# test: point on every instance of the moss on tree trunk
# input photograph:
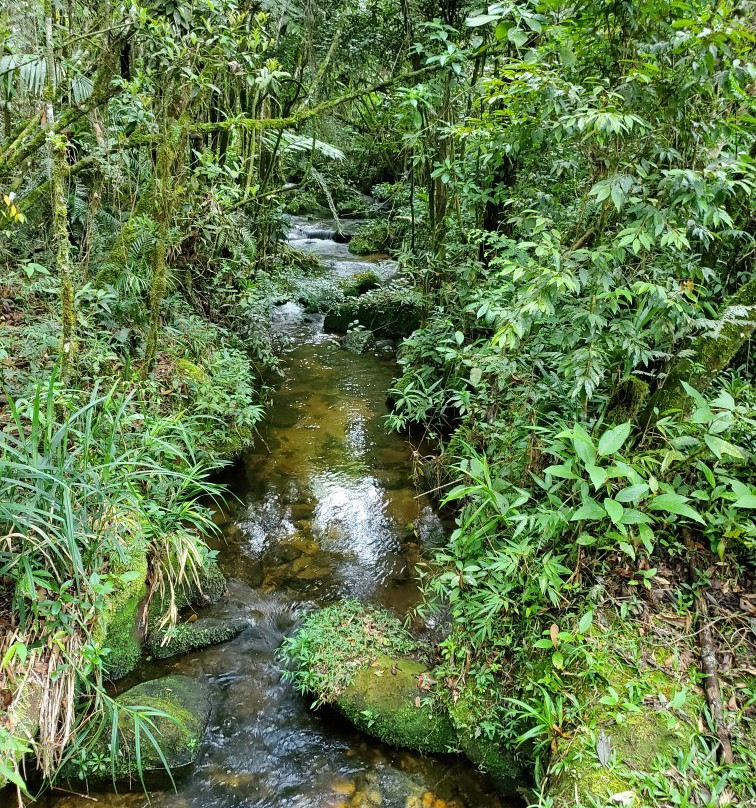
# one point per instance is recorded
(708, 355)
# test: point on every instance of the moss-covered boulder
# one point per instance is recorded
(375, 236)
(386, 316)
(204, 588)
(360, 283)
(619, 740)
(178, 708)
(358, 341)
(117, 627)
(365, 663)
(390, 701)
(189, 636)
(470, 713)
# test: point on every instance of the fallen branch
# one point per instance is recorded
(708, 657)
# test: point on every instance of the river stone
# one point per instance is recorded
(387, 321)
(185, 702)
(384, 701)
(358, 341)
(190, 636)
(498, 762)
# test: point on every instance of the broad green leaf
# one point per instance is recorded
(589, 510)
(722, 447)
(614, 509)
(745, 501)
(632, 493)
(480, 19)
(518, 36)
(586, 621)
(597, 474)
(613, 439)
(675, 503)
(563, 470)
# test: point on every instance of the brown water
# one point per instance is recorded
(325, 510)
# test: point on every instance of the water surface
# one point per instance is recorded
(326, 510)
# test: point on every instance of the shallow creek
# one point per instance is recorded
(324, 509)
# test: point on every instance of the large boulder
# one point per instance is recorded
(388, 700)
(387, 318)
(117, 627)
(470, 713)
(174, 710)
(363, 661)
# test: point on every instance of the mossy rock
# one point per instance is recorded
(360, 283)
(372, 237)
(468, 714)
(384, 701)
(358, 341)
(117, 626)
(386, 319)
(186, 707)
(190, 636)
(632, 739)
(208, 588)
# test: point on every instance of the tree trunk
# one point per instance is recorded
(710, 354)
(57, 168)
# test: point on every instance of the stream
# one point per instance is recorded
(324, 509)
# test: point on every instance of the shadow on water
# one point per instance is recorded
(324, 509)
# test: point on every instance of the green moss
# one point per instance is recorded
(626, 401)
(359, 341)
(384, 700)
(185, 708)
(117, 626)
(209, 589)
(706, 357)
(637, 737)
(189, 636)
(390, 319)
(372, 237)
(470, 711)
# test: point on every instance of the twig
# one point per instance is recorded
(708, 656)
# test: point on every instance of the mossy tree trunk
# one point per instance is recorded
(56, 146)
(165, 192)
(707, 356)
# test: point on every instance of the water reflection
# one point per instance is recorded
(325, 509)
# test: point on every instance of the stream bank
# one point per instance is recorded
(324, 509)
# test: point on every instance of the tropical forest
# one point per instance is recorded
(377, 403)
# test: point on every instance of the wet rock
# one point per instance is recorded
(191, 636)
(358, 341)
(360, 283)
(385, 348)
(117, 626)
(387, 319)
(179, 732)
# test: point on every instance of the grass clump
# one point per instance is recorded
(332, 645)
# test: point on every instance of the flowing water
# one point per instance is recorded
(325, 510)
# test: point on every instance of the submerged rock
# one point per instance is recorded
(190, 636)
(178, 708)
(385, 700)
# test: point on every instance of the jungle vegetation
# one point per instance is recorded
(568, 188)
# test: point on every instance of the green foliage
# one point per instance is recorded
(332, 644)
